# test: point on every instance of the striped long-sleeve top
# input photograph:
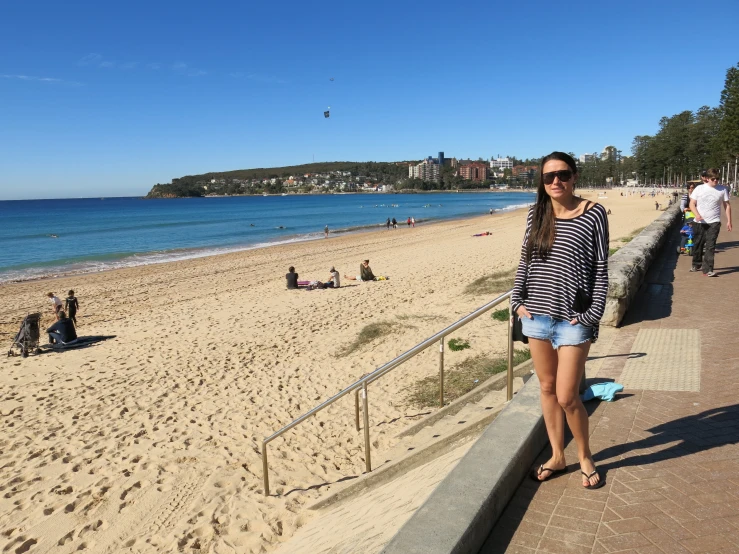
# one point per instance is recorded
(578, 260)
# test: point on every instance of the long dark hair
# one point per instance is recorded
(542, 234)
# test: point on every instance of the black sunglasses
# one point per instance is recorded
(564, 175)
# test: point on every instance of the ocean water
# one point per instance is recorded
(44, 238)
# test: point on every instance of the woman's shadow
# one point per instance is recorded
(687, 435)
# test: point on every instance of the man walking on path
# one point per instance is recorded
(706, 202)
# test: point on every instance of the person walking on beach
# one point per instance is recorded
(395, 224)
(413, 221)
(388, 223)
(560, 295)
(71, 305)
(409, 222)
(56, 302)
(325, 232)
(706, 202)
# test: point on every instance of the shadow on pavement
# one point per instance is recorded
(690, 434)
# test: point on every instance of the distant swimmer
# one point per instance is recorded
(280, 227)
(54, 236)
(251, 225)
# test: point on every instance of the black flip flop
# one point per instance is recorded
(598, 485)
(535, 473)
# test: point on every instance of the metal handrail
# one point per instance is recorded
(382, 370)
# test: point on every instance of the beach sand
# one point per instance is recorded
(150, 441)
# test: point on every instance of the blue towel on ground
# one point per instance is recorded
(604, 391)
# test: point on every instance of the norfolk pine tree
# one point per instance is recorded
(729, 127)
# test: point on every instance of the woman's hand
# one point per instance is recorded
(523, 312)
(574, 321)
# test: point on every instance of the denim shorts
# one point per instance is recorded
(558, 331)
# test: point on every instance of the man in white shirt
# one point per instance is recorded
(706, 202)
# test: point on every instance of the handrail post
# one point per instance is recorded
(441, 373)
(367, 455)
(509, 391)
(265, 468)
(356, 408)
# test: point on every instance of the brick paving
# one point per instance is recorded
(670, 458)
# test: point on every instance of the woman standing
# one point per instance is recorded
(560, 294)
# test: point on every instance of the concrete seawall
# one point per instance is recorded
(628, 267)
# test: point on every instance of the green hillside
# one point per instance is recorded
(249, 181)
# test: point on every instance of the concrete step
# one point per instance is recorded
(429, 442)
(494, 383)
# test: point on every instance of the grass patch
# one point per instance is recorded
(406, 317)
(461, 378)
(458, 344)
(500, 315)
(631, 236)
(612, 251)
(498, 281)
(368, 334)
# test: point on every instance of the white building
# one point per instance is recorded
(501, 163)
(587, 157)
(608, 152)
(427, 170)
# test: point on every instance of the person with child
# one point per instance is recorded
(706, 202)
(63, 331)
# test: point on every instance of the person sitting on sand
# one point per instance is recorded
(292, 278)
(62, 332)
(365, 273)
(334, 280)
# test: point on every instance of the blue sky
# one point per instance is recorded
(107, 99)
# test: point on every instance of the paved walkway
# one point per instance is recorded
(668, 444)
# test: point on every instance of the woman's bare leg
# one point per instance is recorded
(569, 373)
(545, 365)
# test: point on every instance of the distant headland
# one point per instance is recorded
(313, 178)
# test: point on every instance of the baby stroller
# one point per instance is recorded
(27, 339)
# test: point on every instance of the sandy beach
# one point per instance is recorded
(150, 441)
